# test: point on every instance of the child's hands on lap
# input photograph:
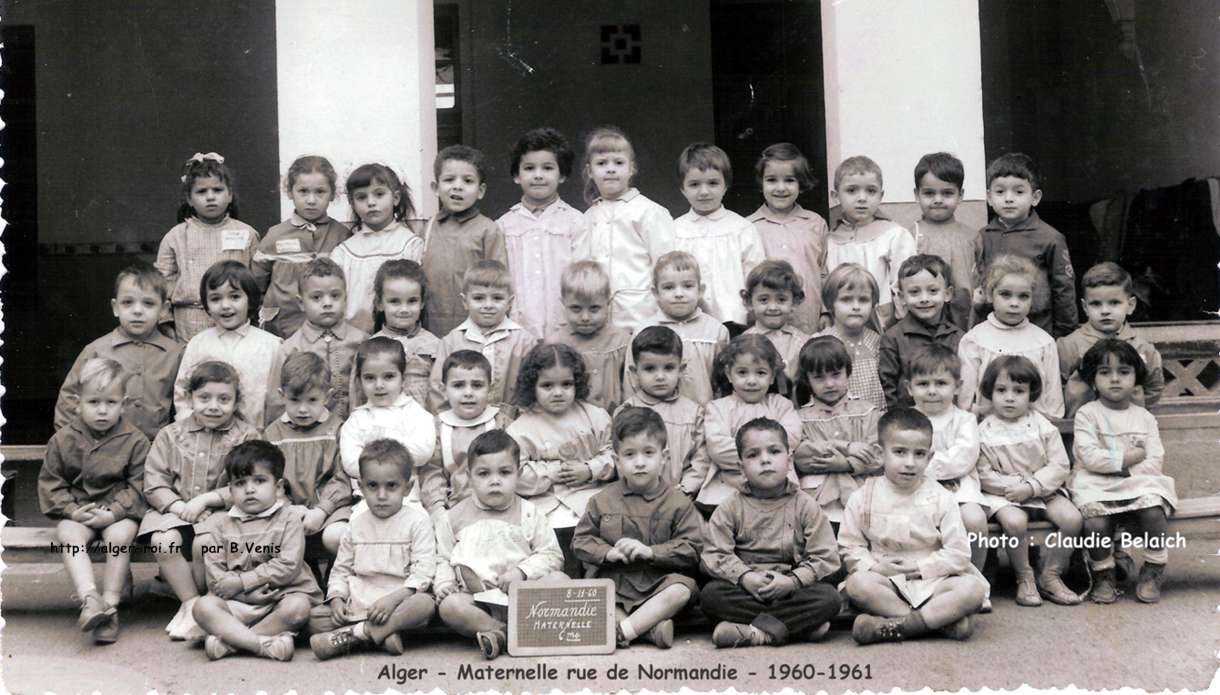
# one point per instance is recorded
(102, 518)
(444, 591)
(1019, 493)
(753, 582)
(193, 511)
(312, 519)
(384, 607)
(633, 550)
(506, 578)
(338, 609)
(84, 513)
(615, 555)
(890, 567)
(228, 587)
(574, 473)
(1135, 454)
(780, 586)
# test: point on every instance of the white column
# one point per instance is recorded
(356, 85)
(903, 78)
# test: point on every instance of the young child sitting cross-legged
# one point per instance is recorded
(768, 549)
(378, 587)
(259, 589)
(490, 540)
(643, 533)
(904, 545)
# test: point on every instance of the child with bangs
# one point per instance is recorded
(678, 286)
(750, 374)
(585, 288)
(790, 232)
(400, 292)
(326, 333)
(487, 294)
(924, 288)
(839, 448)
(459, 236)
(539, 230)
(382, 205)
(232, 299)
(565, 441)
(308, 435)
(656, 356)
(308, 233)
(726, 246)
(622, 227)
(772, 294)
(850, 295)
(149, 357)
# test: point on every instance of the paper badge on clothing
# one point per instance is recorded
(288, 246)
(235, 239)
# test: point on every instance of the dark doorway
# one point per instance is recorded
(767, 88)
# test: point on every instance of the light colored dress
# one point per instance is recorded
(254, 353)
(848, 427)
(727, 247)
(404, 421)
(504, 346)
(547, 441)
(1099, 485)
(539, 249)
(380, 556)
(880, 246)
(800, 239)
(716, 469)
(683, 427)
(955, 457)
(702, 337)
(1028, 450)
(627, 235)
(788, 341)
(421, 348)
(993, 338)
(492, 541)
(361, 255)
(185, 254)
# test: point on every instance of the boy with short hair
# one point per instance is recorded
(1013, 191)
(1108, 301)
(769, 550)
(378, 587)
(726, 245)
(904, 545)
(585, 288)
(865, 236)
(259, 590)
(92, 482)
(149, 357)
(459, 236)
(939, 178)
(326, 333)
(443, 481)
(643, 533)
(490, 540)
(924, 285)
(308, 435)
(539, 231)
(487, 294)
(656, 366)
(678, 286)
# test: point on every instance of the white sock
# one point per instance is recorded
(361, 632)
(628, 629)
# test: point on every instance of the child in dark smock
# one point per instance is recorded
(642, 532)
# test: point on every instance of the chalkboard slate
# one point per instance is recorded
(568, 617)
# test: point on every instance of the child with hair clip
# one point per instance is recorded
(487, 294)
(326, 333)
(92, 483)
(490, 540)
(643, 533)
(924, 288)
(260, 591)
(850, 295)
(1119, 476)
(751, 375)
(400, 292)
(232, 300)
(442, 480)
(207, 232)
(378, 587)
(308, 434)
(862, 235)
(308, 233)
(585, 288)
(565, 441)
(381, 203)
(1010, 287)
(839, 449)
(769, 550)
(539, 230)
(622, 228)
(934, 375)
(185, 480)
(656, 356)
(772, 294)
(906, 551)
(387, 412)
(678, 287)
(790, 232)
(149, 358)
(1022, 469)
(459, 236)
(725, 244)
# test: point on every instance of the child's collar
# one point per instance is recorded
(288, 421)
(313, 333)
(241, 330)
(392, 226)
(627, 195)
(391, 332)
(764, 212)
(713, 216)
(461, 216)
(238, 514)
(448, 417)
(301, 223)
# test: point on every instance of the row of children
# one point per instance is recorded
(391, 382)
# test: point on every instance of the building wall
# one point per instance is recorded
(531, 63)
